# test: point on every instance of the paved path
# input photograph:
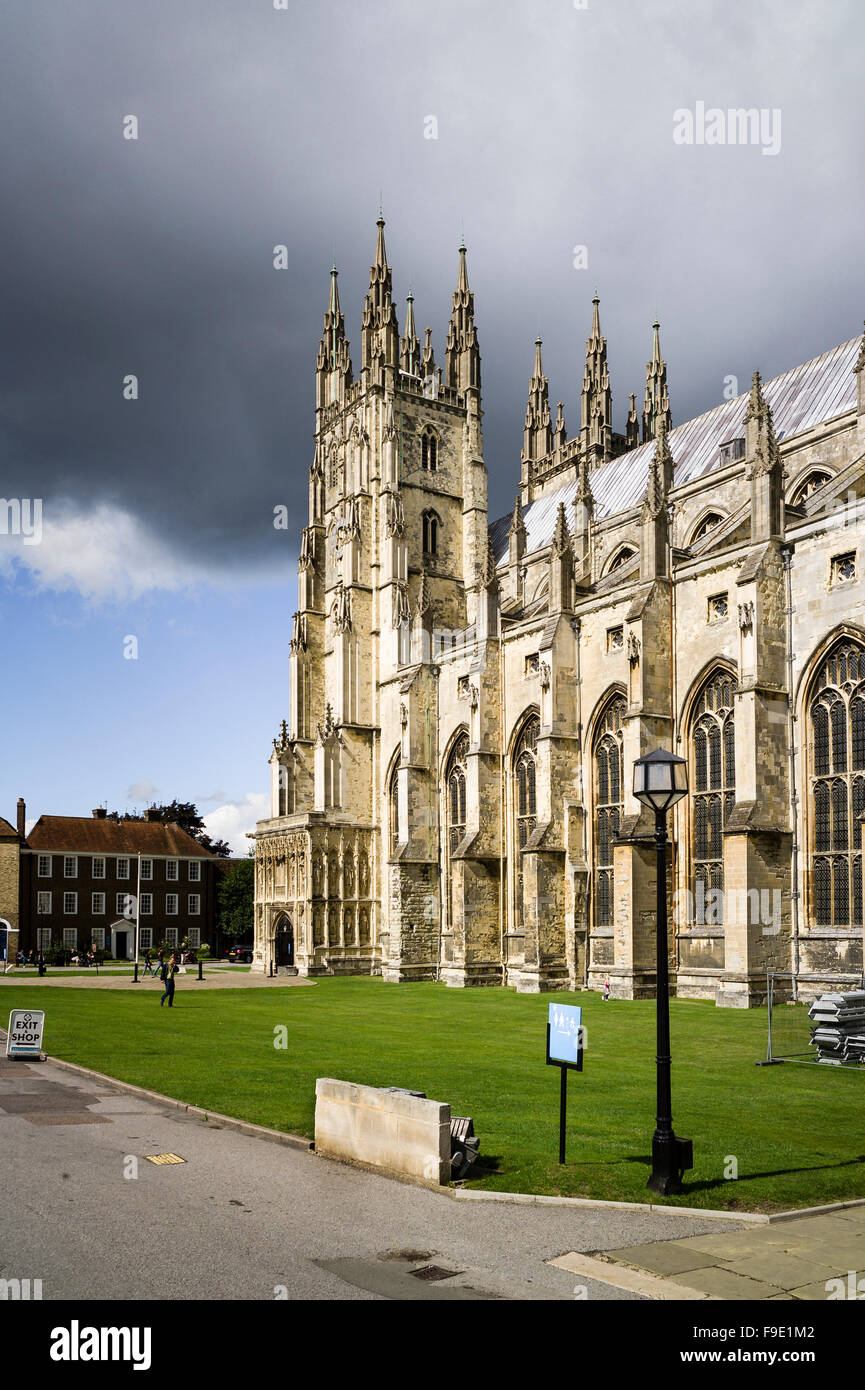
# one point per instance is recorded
(244, 1218)
(213, 980)
(793, 1259)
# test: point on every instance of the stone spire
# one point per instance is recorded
(490, 576)
(333, 364)
(632, 430)
(656, 403)
(764, 469)
(561, 566)
(428, 361)
(379, 332)
(409, 348)
(596, 409)
(516, 534)
(560, 433)
(654, 520)
(584, 512)
(462, 354)
(537, 432)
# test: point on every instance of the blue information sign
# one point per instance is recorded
(565, 1035)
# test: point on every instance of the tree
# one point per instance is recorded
(235, 900)
(185, 814)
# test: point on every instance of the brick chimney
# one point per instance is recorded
(151, 813)
(22, 816)
(99, 813)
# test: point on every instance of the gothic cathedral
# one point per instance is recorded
(452, 790)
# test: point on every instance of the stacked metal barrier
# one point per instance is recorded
(838, 1034)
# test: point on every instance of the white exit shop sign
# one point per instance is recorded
(26, 1027)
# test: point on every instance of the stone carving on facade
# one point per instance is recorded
(633, 648)
(401, 606)
(394, 522)
(326, 729)
(403, 715)
(306, 559)
(340, 609)
(300, 636)
(545, 674)
(333, 875)
(746, 616)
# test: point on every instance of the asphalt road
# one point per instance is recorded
(243, 1218)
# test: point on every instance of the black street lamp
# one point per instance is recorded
(660, 780)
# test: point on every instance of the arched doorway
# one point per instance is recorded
(284, 942)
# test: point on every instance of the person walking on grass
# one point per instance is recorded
(168, 973)
(607, 990)
(148, 964)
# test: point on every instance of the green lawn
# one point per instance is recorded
(796, 1132)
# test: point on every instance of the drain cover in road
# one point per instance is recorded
(433, 1272)
(164, 1158)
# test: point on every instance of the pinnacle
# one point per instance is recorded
(561, 535)
(517, 523)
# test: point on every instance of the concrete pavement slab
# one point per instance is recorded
(777, 1267)
(725, 1283)
(663, 1257)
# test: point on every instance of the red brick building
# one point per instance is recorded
(78, 884)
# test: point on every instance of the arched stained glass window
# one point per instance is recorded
(609, 800)
(393, 808)
(455, 807)
(714, 791)
(525, 802)
(837, 794)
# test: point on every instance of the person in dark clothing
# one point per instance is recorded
(168, 973)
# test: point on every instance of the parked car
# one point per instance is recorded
(240, 955)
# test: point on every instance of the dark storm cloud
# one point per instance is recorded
(260, 127)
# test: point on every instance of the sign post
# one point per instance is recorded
(24, 1038)
(564, 1050)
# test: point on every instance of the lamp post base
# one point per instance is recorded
(670, 1157)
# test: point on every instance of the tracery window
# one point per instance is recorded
(455, 795)
(431, 523)
(709, 522)
(624, 555)
(813, 481)
(609, 803)
(525, 803)
(837, 786)
(713, 743)
(393, 808)
(429, 450)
